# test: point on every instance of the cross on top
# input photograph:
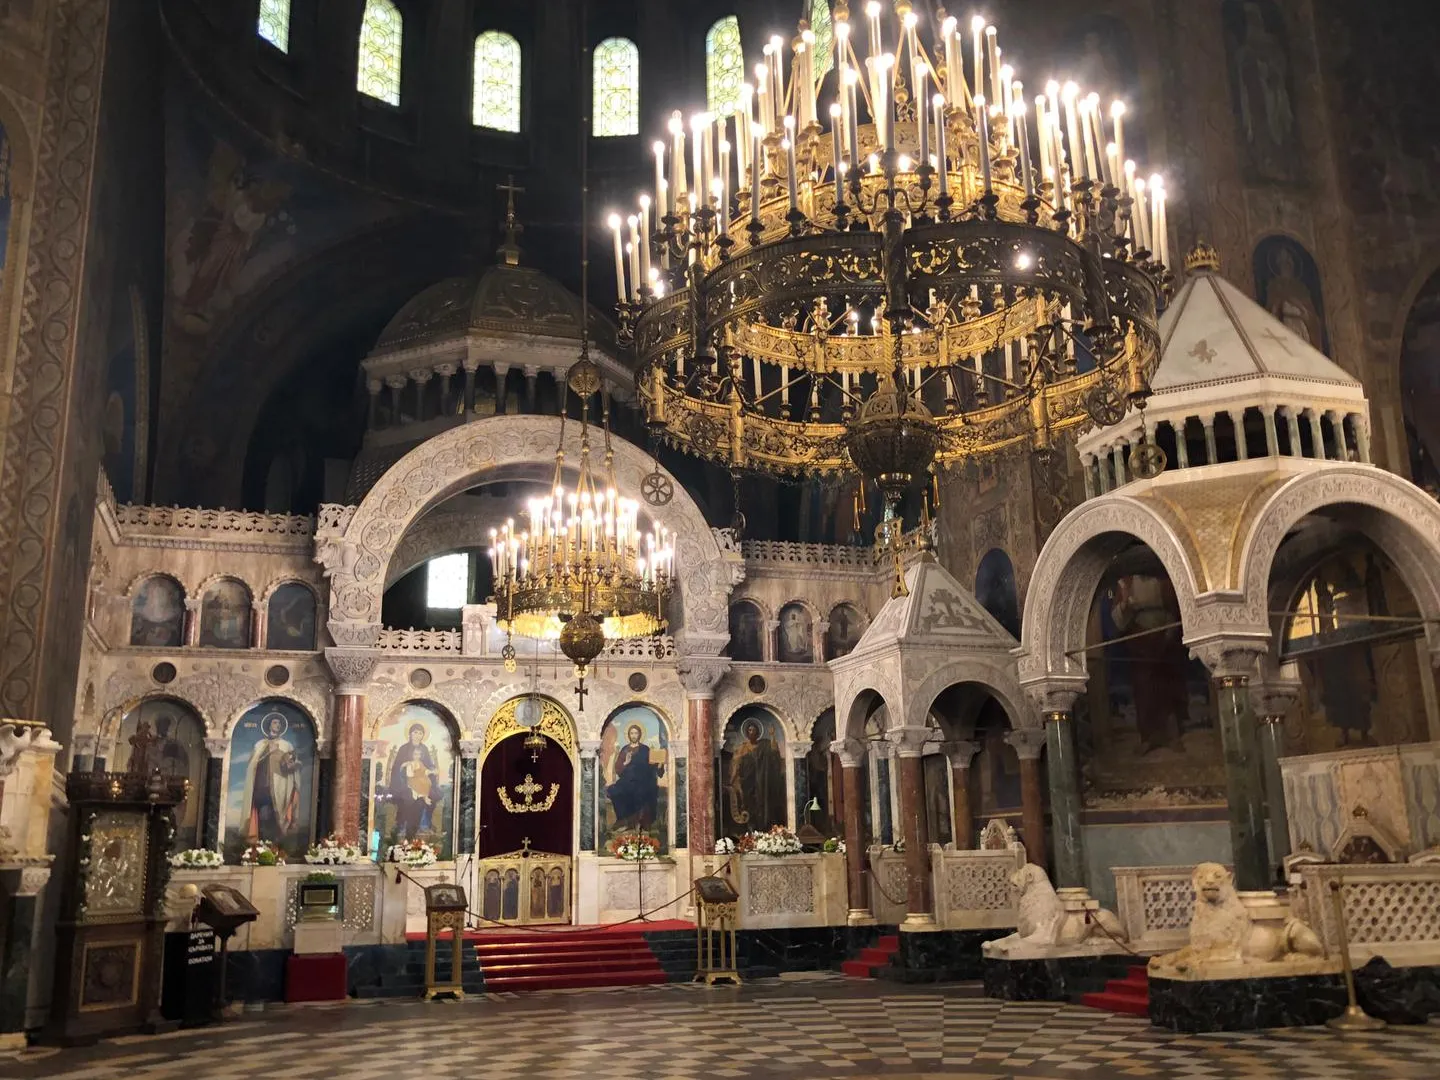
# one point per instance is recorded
(510, 249)
(525, 845)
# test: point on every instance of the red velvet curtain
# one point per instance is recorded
(502, 830)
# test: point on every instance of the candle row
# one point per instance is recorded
(602, 535)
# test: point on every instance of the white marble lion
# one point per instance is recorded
(1043, 920)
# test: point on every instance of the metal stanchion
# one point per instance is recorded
(1354, 1018)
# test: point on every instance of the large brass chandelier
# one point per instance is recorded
(951, 269)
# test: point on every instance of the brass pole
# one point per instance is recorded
(1354, 1018)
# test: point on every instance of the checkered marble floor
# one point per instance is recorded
(800, 1028)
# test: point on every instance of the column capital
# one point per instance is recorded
(216, 747)
(470, 748)
(1027, 741)
(701, 674)
(851, 752)
(961, 752)
(1231, 657)
(908, 742)
(1055, 693)
(351, 668)
(1274, 691)
(590, 747)
(84, 745)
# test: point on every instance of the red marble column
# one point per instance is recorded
(700, 777)
(851, 755)
(1028, 743)
(914, 826)
(348, 747)
(961, 755)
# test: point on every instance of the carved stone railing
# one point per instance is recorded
(641, 649)
(1154, 904)
(819, 556)
(183, 521)
(791, 890)
(334, 518)
(1391, 909)
(973, 889)
(889, 886)
(427, 642)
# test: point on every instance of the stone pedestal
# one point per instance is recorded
(313, 938)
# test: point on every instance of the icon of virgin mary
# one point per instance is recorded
(414, 784)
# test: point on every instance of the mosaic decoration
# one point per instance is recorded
(381, 33)
(724, 66)
(617, 88)
(497, 81)
(274, 23)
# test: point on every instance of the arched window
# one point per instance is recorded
(178, 750)
(225, 616)
(381, 30)
(157, 613)
(824, 30)
(274, 23)
(724, 66)
(497, 81)
(290, 618)
(617, 88)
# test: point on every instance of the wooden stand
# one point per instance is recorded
(716, 916)
(444, 910)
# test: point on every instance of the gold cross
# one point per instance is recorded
(528, 789)
(1203, 352)
(525, 844)
(511, 190)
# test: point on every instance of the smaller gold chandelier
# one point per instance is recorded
(580, 570)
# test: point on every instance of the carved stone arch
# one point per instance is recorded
(671, 732)
(356, 555)
(1299, 556)
(767, 612)
(1396, 515)
(444, 711)
(317, 724)
(315, 591)
(145, 575)
(112, 717)
(991, 678)
(855, 703)
(215, 579)
(1069, 569)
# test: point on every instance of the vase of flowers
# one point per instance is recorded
(776, 842)
(331, 851)
(412, 853)
(634, 847)
(262, 853)
(833, 846)
(725, 846)
(196, 859)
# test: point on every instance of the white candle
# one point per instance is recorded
(697, 153)
(1042, 132)
(1027, 174)
(852, 118)
(790, 177)
(805, 88)
(1087, 137)
(1112, 165)
(758, 156)
(634, 249)
(614, 222)
(922, 120)
(777, 69)
(836, 151)
(659, 175)
(722, 211)
(887, 75)
(977, 33)
(952, 53)
(982, 111)
(1140, 214)
(872, 11)
(762, 97)
(1076, 154)
(938, 103)
(992, 48)
(842, 40)
(677, 161)
(645, 238)
(1097, 134)
(724, 170)
(1006, 101)
(1117, 114)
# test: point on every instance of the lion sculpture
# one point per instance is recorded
(1044, 921)
(1222, 931)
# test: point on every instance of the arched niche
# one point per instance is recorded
(844, 628)
(290, 618)
(270, 786)
(636, 776)
(821, 777)
(157, 612)
(753, 764)
(225, 615)
(795, 635)
(747, 632)
(995, 589)
(413, 791)
(179, 751)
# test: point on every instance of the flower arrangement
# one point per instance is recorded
(196, 859)
(332, 852)
(412, 853)
(899, 846)
(262, 853)
(778, 841)
(833, 846)
(725, 846)
(634, 847)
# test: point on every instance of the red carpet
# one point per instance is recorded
(875, 956)
(496, 934)
(568, 959)
(1128, 995)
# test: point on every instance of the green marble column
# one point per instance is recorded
(1064, 774)
(1272, 740)
(1248, 849)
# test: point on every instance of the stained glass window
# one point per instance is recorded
(274, 23)
(824, 37)
(497, 81)
(447, 581)
(381, 30)
(617, 87)
(724, 66)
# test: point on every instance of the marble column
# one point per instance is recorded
(1362, 436)
(909, 745)
(1087, 473)
(588, 749)
(1212, 454)
(851, 753)
(469, 387)
(961, 753)
(396, 383)
(1272, 696)
(1242, 451)
(192, 621)
(1272, 437)
(469, 786)
(210, 836)
(351, 669)
(1028, 743)
(1317, 434)
(82, 753)
(1063, 771)
(1292, 426)
(700, 675)
(372, 408)
(1231, 665)
(1182, 447)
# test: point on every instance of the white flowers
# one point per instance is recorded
(778, 841)
(331, 852)
(412, 853)
(724, 846)
(196, 859)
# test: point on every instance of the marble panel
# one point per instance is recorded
(1159, 844)
(940, 956)
(465, 838)
(210, 813)
(1058, 979)
(1245, 1004)
(1403, 995)
(682, 804)
(16, 941)
(882, 785)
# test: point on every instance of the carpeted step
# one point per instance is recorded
(857, 969)
(564, 961)
(574, 981)
(889, 942)
(1130, 995)
(872, 957)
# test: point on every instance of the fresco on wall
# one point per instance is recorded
(1420, 385)
(846, 628)
(1360, 680)
(179, 751)
(415, 780)
(117, 423)
(225, 616)
(995, 589)
(819, 776)
(1287, 284)
(635, 775)
(752, 773)
(995, 769)
(747, 633)
(157, 613)
(290, 618)
(1262, 87)
(795, 641)
(1149, 720)
(270, 794)
(937, 798)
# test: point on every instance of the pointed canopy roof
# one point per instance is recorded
(938, 611)
(1212, 333)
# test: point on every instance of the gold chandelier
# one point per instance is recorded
(967, 272)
